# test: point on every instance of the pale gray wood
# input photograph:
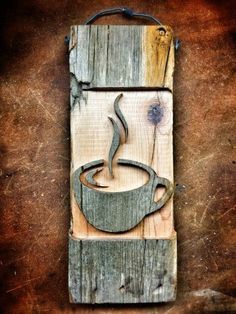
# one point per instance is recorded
(122, 271)
(107, 56)
(112, 56)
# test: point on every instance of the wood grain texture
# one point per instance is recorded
(91, 137)
(111, 56)
(122, 271)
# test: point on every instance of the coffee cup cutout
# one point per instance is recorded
(119, 211)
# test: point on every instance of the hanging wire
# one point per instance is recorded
(125, 11)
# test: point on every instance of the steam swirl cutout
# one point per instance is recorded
(116, 140)
(114, 145)
(120, 116)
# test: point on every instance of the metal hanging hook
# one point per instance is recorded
(125, 11)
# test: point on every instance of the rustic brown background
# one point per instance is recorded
(35, 153)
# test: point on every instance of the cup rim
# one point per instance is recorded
(127, 162)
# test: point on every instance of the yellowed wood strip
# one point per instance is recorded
(170, 68)
(156, 47)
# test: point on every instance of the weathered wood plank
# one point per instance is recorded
(136, 263)
(124, 57)
(122, 271)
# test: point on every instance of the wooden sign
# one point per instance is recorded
(122, 243)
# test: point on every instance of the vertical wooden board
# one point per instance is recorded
(133, 64)
(91, 137)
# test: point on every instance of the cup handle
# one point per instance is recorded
(165, 197)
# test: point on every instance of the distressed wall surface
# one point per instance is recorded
(35, 150)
